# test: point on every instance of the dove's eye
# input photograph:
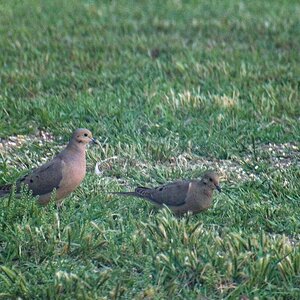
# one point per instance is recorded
(210, 179)
(85, 134)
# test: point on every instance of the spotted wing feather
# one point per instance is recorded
(44, 179)
(172, 194)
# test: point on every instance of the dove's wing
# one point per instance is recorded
(44, 179)
(171, 194)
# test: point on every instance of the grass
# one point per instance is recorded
(168, 87)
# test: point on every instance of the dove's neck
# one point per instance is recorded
(207, 191)
(76, 149)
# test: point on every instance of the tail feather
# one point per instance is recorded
(141, 192)
(124, 193)
(5, 189)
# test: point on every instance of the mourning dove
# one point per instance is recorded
(181, 196)
(63, 173)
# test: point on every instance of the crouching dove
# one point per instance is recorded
(181, 196)
(64, 172)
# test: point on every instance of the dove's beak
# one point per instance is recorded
(218, 188)
(94, 141)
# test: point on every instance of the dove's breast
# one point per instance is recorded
(73, 174)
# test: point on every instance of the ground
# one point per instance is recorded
(171, 89)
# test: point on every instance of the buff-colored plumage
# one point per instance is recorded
(181, 196)
(64, 172)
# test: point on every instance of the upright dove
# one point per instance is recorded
(181, 196)
(63, 173)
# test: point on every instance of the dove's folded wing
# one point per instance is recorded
(44, 179)
(172, 194)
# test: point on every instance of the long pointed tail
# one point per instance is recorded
(5, 189)
(124, 193)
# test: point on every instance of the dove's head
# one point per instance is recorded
(83, 136)
(211, 180)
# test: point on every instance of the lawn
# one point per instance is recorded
(171, 89)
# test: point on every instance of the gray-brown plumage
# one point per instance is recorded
(181, 196)
(63, 173)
